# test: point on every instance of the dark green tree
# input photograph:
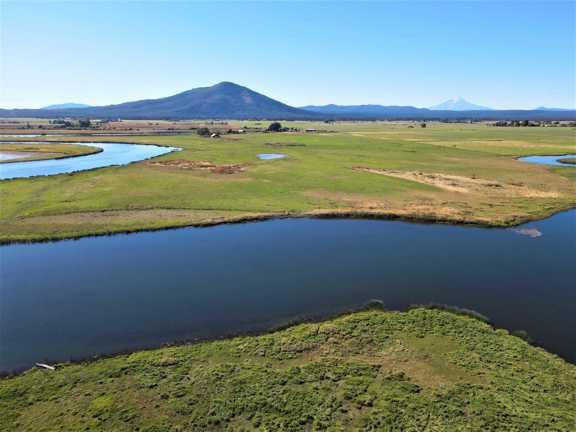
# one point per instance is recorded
(275, 127)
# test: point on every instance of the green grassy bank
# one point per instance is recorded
(422, 370)
(47, 151)
(449, 173)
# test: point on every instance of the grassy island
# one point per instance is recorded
(455, 173)
(568, 160)
(413, 371)
(47, 151)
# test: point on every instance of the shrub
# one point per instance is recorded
(455, 310)
(274, 127)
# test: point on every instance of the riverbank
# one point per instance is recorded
(367, 369)
(450, 174)
(45, 151)
(114, 222)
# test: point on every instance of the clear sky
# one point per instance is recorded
(510, 54)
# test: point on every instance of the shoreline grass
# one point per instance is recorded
(46, 151)
(317, 179)
(285, 324)
(253, 218)
(363, 370)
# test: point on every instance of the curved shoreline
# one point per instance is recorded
(282, 324)
(94, 150)
(86, 144)
(248, 217)
(314, 214)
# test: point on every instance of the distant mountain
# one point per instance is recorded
(459, 104)
(232, 101)
(225, 100)
(363, 110)
(66, 106)
(552, 109)
(392, 112)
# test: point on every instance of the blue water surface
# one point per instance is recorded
(111, 154)
(97, 295)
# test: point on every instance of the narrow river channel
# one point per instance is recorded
(97, 295)
(111, 154)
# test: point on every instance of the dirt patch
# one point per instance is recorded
(200, 166)
(285, 144)
(462, 184)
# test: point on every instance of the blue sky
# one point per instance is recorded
(510, 54)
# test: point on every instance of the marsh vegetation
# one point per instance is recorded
(318, 177)
(374, 370)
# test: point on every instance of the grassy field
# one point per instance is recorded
(47, 151)
(456, 173)
(422, 370)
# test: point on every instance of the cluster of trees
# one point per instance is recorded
(531, 123)
(277, 127)
(65, 123)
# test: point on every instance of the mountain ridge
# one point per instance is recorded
(67, 105)
(221, 101)
(227, 100)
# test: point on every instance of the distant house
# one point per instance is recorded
(311, 130)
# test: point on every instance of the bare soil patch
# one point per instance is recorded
(200, 166)
(285, 144)
(463, 184)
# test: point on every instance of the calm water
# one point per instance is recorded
(111, 154)
(548, 160)
(270, 156)
(107, 294)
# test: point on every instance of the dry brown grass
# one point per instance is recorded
(186, 164)
(463, 184)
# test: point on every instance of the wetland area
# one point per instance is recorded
(101, 295)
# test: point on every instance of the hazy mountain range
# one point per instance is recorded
(459, 104)
(68, 105)
(227, 100)
(552, 109)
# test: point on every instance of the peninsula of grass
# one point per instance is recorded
(459, 173)
(421, 370)
(568, 160)
(46, 151)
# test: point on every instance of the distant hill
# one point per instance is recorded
(391, 112)
(552, 109)
(459, 104)
(227, 100)
(364, 110)
(65, 106)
